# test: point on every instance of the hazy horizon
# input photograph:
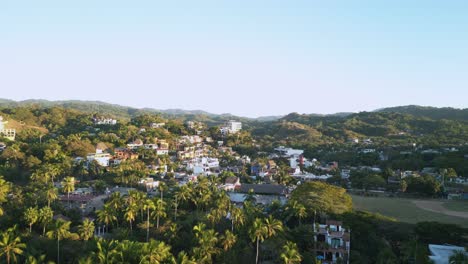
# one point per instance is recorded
(246, 58)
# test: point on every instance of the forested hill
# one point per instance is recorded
(384, 128)
(429, 112)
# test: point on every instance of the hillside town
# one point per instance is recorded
(160, 159)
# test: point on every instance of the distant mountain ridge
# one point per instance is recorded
(127, 112)
(429, 112)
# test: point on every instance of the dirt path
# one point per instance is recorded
(437, 207)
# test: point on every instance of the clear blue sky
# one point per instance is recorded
(248, 58)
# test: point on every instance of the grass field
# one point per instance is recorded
(460, 206)
(405, 210)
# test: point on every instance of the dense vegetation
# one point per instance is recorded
(189, 223)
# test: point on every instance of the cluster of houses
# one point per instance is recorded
(104, 121)
(104, 158)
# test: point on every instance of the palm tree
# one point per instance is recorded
(183, 258)
(107, 251)
(263, 229)
(159, 211)
(148, 205)
(45, 217)
(237, 217)
(115, 201)
(31, 215)
(4, 190)
(106, 215)
(272, 226)
(156, 252)
(86, 230)
(30, 259)
(290, 253)
(257, 234)
(68, 185)
(297, 210)
(459, 257)
(229, 239)
(184, 194)
(130, 215)
(10, 245)
(51, 194)
(61, 230)
(207, 240)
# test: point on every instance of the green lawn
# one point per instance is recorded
(461, 206)
(405, 210)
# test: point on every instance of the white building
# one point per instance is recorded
(104, 121)
(440, 254)
(100, 157)
(231, 127)
(157, 125)
(288, 152)
(4, 132)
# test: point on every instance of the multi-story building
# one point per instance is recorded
(231, 127)
(4, 132)
(332, 242)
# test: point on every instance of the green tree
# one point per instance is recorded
(51, 194)
(228, 240)
(4, 190)
(11, 246)
(86, 229)
(107, 251)
(156, 252)
(60, 230)
(159, 211)
(322, 197)
(264, 229)
(148, 205)
(130, 214)
(106, 215)
(68, 185)
(290, 253)
(45, 217)
(31, 216)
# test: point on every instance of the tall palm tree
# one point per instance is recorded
(130, 215)
(272, 226)
(148, 205)
(106, 215)
(290, 253)
(159, 211)
(459, 257)
(263, 229)
(31, 215)
(60, 230)
(257, 234)
(237, 217)
(86, 229)
(51, 194)
(45, 217)
(68, 186)
(228, 240)
(10, 245)
(156, 252)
